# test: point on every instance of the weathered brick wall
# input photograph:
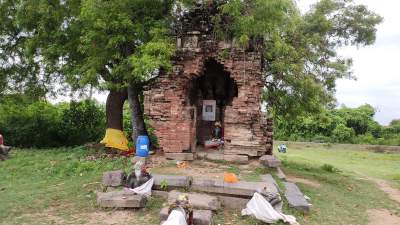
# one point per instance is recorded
(171, 114)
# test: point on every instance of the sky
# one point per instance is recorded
(375, 66)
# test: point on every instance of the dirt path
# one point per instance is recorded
(385, 186)
(382, 217)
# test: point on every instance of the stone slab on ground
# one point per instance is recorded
(233, 202)
(270, 161)
(271, 183)
(200, 217)
(162, 194)
(113, 178)
(281, 174)
(198, 201)
(179, 156)
(295, 197)
(238, 189)
(222, 157)
(120, 199)
(171, 181)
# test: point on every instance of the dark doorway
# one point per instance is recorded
(214, 84)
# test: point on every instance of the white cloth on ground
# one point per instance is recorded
(176, 217)
(261, 209)
(144, 189)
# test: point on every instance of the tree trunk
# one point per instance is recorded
(114, 108)
(137, 120)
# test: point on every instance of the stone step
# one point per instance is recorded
(180, 156)
(200, 216)
(162, 194)
(171, 181)
(295, 197)
(120, 199)
(270, 161)
(113, 178)
(281, 174)
(198, 201)
(239, 189)
(271, 183)
(240, 159)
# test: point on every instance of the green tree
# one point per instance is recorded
(111, 45)
(300, 51)
(118, 45)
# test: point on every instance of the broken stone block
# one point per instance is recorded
(233, 202)
(169, 182)
(198, 201)
(270, 161)
(271, 183)
(113, 178)
(179, 156)
(120, 199)
(280, 174)
(295, 197)
(162, 194)
(239, 189)
(200, 217)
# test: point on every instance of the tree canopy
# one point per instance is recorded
(109, 44)
(300, 50)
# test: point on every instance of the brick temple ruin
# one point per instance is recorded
(209, 71)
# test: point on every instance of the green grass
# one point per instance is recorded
(378, 165)
(33, 181)
(36, 185)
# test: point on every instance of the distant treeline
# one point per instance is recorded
(344, 125)
(38, 123)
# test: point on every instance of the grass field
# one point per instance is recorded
(57, 186)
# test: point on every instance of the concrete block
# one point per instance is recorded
(113, 178)
(270, 161)
(120, 199)
(171, 181)
(239, 189)
(295, 197)
(179, 156)
(198, 201)
(200, 217)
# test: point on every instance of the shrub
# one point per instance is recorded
(342, 133)
(329, 168)
(33, 125)
(82, 122)
(41, 124)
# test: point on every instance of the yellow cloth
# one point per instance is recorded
(115, 139)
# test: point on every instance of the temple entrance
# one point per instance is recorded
(210, 94)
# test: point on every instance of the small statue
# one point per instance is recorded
(217, 132)
(139, 176)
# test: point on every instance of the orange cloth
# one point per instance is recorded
(230, 178)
